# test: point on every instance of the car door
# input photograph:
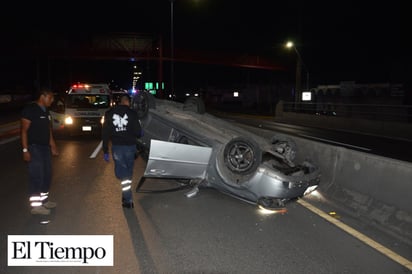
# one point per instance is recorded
(176, 160)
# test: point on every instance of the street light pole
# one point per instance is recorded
(299, 64)
(298, 85)
(300, 60)
(171, 49)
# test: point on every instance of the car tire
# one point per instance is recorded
(242, 156)
(285, 147)
(194, 104)
(142, 102)
(237, 161)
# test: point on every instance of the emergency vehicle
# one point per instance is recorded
(81, 109)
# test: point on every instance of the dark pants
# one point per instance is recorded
(40, 172)
(124, 157)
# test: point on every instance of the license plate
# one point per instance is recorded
(87, 128)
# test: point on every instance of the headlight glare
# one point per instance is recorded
(68, 120)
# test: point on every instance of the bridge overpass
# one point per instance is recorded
(127, 46)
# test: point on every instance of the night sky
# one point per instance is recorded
(364, 41)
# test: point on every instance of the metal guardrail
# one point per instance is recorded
(395, 113)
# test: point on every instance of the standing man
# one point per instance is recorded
(122, 127)
(38, 146)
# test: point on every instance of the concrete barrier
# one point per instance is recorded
(370, 188)
(367, 186)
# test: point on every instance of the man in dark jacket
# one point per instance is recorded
(122, 128)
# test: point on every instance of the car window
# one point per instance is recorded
(88, 101)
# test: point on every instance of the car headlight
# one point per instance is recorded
(68, 120)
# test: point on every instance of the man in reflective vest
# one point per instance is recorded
(122, 127)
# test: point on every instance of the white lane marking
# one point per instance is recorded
(385, 251)
(5, 141)
(330, 141)
(96, 151)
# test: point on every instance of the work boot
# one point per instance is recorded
(40, 210)
(50, 205)
(127, 204)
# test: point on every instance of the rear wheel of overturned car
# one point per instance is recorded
(194, 104)
(141, 103)
(242, 156)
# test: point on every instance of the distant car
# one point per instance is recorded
(182, 141)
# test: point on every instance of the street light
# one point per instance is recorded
(299, 64)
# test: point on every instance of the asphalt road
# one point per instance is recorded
(170, 233)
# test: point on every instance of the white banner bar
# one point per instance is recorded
(60, 250)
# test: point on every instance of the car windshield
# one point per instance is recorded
(88, 101)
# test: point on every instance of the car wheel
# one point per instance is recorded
(141, 103)
(194, 104)
(284, 148)
(242, 156)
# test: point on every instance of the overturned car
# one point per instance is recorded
(182, 141)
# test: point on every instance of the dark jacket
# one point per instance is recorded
(121, 126)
